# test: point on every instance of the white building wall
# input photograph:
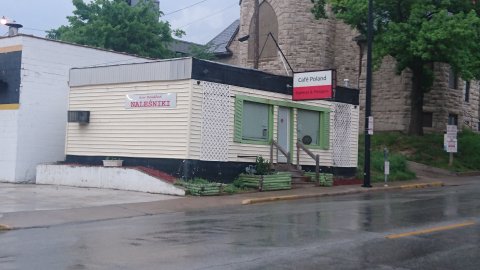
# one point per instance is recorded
(42, 115)
(8, 144)
(143, 133)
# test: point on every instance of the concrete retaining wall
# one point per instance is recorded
(101, 177)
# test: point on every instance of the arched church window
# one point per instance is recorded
(268, 24)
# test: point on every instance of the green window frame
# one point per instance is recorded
(322, 138)
(239, 123)
(238, 119)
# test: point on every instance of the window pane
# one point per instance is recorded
(466, 89)
(308, 125)
(255, 121)
(453, 119)
(427, 119)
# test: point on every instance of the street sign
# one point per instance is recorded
(452, 130)
(450, 139)
(451, 145)
(370, 125)
(387, 167)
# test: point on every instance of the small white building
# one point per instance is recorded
(34, 98)
(190, 117)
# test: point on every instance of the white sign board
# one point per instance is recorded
(387, 167)
(313, 85)
(370, 125)
(452, 130)
(450, 139)
(450, 144)
(151, 101)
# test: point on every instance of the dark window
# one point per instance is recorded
(452, 79)
(427, 119)
(467, 91)
(453, 119)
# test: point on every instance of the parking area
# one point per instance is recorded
(31, 197)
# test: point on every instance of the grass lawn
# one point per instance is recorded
(427, 149)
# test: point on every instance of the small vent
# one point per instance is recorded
(78, 116)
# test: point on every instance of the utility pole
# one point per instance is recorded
(256, 44)
(368, 98)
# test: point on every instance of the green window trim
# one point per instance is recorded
(238, 124)
(324, 140)
(325, 130)
(283, 103)
(323, 137)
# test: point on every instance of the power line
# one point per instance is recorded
(192, 5)
(208, 16)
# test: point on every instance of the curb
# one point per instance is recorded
(422, 185)
(308, 196)
(4, 227)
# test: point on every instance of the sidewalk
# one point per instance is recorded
(32, 218)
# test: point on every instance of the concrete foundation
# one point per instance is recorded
(121, 178)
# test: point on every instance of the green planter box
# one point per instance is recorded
(277, 181)
(326, 179)
(211, 189)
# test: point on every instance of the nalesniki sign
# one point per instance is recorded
(313, 85)
(151, 101)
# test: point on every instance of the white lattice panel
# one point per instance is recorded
(342, 135)
(216, 120)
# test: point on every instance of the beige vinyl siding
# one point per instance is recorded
(237, 150)
(116, 131)
(196, 121)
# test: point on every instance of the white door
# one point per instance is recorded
(283, 127)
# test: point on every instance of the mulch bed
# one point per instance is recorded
(347, 182)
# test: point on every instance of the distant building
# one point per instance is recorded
(34, 76)
(181, 48)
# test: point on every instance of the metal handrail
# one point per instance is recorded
(280, 148)
(300, 146)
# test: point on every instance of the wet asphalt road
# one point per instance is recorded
(345, 232)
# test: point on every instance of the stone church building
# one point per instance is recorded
(310, 44)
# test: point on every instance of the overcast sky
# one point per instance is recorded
(201, 22)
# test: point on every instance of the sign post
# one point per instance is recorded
(387, 165)
(450, 142)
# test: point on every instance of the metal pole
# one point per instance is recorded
(368, 98)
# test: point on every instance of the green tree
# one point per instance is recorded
(114, 25)
(202, 52)
(417, 33)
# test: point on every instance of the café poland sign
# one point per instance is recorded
(313, 85)
(151, 101)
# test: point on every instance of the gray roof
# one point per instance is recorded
(220, 43)
(181, 46)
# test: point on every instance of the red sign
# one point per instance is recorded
(313, 85)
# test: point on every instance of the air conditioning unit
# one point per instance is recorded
(81, 117)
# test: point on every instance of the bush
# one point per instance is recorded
(262, 166)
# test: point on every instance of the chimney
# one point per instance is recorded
(13, 28)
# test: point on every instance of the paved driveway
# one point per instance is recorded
(28, 197)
